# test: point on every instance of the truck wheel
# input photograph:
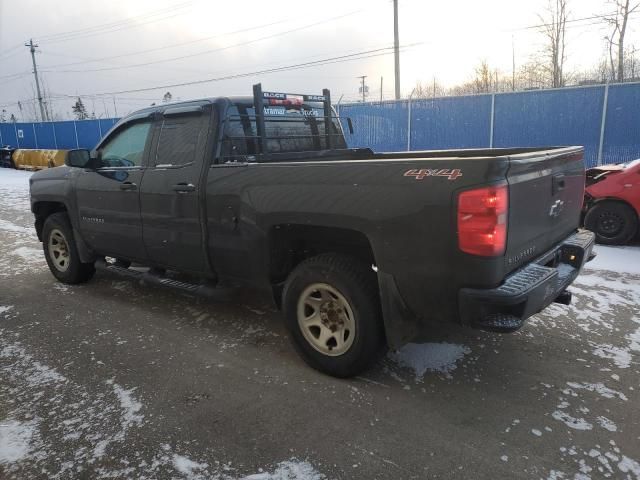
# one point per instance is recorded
(61, 253)
(332, 312)
(614, 223)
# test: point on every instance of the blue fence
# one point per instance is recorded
(64, 135)
(605, 119)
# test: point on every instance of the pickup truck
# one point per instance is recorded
(362, 251)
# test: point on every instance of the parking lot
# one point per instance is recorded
(117, 379)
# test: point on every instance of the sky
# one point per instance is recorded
(111, 53)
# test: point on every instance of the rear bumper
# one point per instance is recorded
(530, 289)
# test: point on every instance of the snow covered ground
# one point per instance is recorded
(90, 377)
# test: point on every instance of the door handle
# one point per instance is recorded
(184, 187)
(558, 183)
(128, 186)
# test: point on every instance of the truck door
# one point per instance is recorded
(172, 192)
(108, 196)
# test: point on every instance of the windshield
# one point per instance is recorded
(287, 130)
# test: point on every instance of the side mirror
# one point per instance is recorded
(350, 124)
(79, 158)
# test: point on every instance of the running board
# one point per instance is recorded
(155, 279)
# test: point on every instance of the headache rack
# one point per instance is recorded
(280, 108)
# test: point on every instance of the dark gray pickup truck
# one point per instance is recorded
(361, 250)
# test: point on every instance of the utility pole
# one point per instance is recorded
(396, 47)
(362, 86)
(115, 109)
(32, 49)
(513, 64)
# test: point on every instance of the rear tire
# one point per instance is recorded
(332, 312)
(614, 223)
(61, 252)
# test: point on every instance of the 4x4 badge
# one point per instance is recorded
(425, 172)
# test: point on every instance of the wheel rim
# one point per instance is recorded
(59, 250)
(326, 319)
(610, 224)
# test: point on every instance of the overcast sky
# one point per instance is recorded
(161, 42)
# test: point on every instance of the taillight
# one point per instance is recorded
(482, 221)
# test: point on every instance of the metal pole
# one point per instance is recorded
(328, 131)
(258, 105)
(603, 123)
(35, 135)
(55, 137)
(493, 116)
(15, 129)
(1, 142)
(409, 121)
(362, 86)
(32, 49)
(396, 48)
(75, 129)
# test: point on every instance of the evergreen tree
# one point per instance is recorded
(79, 110)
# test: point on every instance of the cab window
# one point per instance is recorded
(179, 140)
(287, 131)
(126, 147)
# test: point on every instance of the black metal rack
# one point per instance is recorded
(259, 97)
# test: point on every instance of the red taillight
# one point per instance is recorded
(482, 221)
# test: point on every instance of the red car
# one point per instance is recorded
(612, 202)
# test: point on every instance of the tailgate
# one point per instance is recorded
(546, 190)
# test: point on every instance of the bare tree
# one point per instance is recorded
(429, 89)
(554, 27)
(619, 22)
(483, 78)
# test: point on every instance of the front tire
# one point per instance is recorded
(332, 312)
(61, 252)
(614, 223)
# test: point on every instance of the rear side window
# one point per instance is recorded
(126, 147)
(286, 131)
(179, 139)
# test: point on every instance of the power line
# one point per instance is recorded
(11, 49)
(326, 61)
(219, 49)
(602, 16)
(165, 47)
(111, 27)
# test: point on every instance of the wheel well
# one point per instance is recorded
(42, 210)
(599, 201)
(290, 244)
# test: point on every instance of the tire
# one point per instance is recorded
(334, 292)
(614, 223)
(61, 252)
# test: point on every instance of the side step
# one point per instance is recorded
(155, 279)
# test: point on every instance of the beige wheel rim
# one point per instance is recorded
(59, 250)
(326, 319)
